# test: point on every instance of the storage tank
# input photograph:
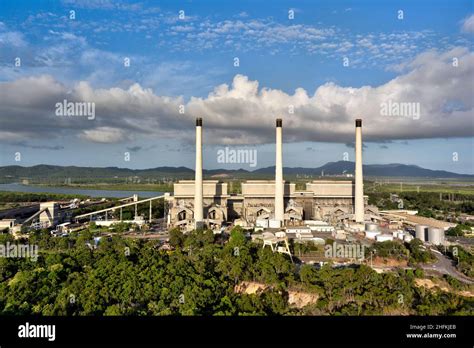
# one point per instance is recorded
(262, 223)
(273, 223)
(435, 235)
(371, 234)
(383, 237)
(371, 227)
(420, 232)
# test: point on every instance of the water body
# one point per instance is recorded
(75, 191)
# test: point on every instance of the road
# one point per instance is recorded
(445, 265)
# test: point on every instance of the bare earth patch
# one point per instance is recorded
(388, 262)
(297, 299)
(429, 284)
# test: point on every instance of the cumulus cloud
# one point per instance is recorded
(244, 112)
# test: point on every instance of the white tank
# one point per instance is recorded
(262, 223)
(383, 237)
(435, 235)
(371, 234)
(273, 223)
(420, 232)
(371, 227)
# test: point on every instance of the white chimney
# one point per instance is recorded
(279, 207)
(359, 180)
(198, 210)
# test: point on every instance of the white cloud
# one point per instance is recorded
(468, 24)
(246, 34)
(244, 113)
(103, 135)
(182, 28)
(12, 38)
(103, 5)
(256, 35)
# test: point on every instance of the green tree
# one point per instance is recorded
(176, 238)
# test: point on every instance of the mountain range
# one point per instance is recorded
(12, 173)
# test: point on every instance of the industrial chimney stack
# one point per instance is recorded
(359, 180)
(279, 207)
(198, 209)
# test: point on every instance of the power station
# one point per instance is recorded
(336, 209)
(276, 202)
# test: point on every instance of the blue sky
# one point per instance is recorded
(283, 62)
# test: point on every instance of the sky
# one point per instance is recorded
(147, 69)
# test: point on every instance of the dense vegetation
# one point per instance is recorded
(464, 259)
(130, 277)
(427, 203)
(26, 197)
(160, 178)
(458, 230)
(414, 252)
(80, 175)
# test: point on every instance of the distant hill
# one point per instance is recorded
(391, 170)
(12, 173)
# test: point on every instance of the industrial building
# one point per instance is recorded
(427, 230)
(410, 218)
(430, 234)
(207, 202)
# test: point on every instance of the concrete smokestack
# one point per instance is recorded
(359, 180)
(198, 210)
(279, 208)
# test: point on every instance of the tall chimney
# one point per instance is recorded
(359, 180)
(198, 210)
(279, 208)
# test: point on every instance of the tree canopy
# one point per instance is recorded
(133, 277)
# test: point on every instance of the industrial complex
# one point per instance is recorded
(272, 210)
(271, 203)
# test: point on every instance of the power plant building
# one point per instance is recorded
(275, 200)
